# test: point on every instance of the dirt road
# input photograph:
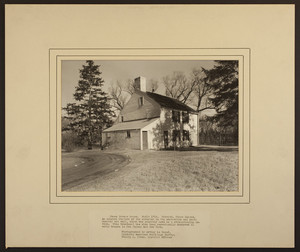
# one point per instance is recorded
(84, 166)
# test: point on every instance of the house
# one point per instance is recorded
(153, 121)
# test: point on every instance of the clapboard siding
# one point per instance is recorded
(134, 141)
(119, 139)
(132, 110)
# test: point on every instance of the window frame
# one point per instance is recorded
(176, 116)
(185, 117)
(185, 135)
(176, 135)
(141, 101)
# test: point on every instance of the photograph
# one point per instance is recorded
(164, 126)
(149, 125)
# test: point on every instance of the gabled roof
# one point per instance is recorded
(131, 125)
(168, 102)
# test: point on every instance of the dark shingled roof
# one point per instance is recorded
(168, 102)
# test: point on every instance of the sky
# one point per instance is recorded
(122, 70)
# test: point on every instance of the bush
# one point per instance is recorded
(68, 141)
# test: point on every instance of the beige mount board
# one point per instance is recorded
(265, 219)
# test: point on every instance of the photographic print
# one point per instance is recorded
(149, 125)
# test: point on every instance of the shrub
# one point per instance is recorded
(68, 141)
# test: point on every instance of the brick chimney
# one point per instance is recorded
(140, 83)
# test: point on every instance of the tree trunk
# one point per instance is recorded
(90, 137)
(90, 146)
(100, 137)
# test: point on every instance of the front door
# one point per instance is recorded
(145, 140)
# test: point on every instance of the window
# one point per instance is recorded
(141, 101)
(185, 117)
(186, 135)
(166, 139)
(176, 135)
(175, 116)
(128, 134)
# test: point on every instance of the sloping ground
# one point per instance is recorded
(85, 166)
(212, 170)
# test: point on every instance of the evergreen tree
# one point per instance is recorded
(92, 111)
(223, 78)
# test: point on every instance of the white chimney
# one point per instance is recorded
(140, 83)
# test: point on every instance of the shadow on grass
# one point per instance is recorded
(205, 148)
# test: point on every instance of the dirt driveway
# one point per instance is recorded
(86, 165)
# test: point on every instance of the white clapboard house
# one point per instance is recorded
(153, 121)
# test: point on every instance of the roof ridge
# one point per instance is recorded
(164, 103)
(166, 97)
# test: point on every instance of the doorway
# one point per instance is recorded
(145, 140)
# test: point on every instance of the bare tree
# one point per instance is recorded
(153, 85)
(178, 86)
(118, 96)
(121, 92)
(129, 86)
(201, 90)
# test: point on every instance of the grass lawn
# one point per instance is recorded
(171, 171)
